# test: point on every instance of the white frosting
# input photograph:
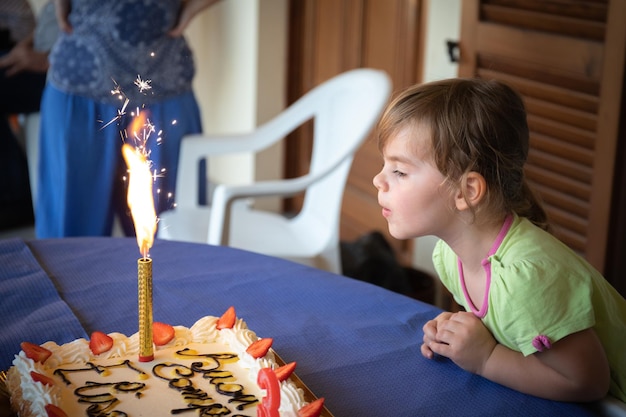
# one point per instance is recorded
(203, 337)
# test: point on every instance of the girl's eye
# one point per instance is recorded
(399, 173)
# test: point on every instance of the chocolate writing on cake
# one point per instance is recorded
(102, 398)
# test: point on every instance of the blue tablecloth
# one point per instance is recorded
(356, 344)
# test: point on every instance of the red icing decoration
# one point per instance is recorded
(269, 404)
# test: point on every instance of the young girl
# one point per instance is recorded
(538, 319)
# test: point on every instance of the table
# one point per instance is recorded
(356, 344)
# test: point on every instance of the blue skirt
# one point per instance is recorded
(81, 178)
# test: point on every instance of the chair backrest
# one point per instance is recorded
(345, 109)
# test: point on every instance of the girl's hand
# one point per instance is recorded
(188, 11)
(465, 340)
(574, 369)
(430, 333)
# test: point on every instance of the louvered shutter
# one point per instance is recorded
(566, 57)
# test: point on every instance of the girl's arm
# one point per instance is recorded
(574, 369)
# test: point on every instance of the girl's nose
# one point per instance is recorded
(377, 181)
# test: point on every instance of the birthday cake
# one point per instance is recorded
(218, 367)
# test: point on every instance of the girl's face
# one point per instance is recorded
(411, 190)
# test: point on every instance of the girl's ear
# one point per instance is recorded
(472, 190)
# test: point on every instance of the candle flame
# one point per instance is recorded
(140, 200)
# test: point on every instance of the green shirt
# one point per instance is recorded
(540, 288)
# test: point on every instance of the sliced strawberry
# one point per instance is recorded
(162, 333)
(285, 371)
(35, 352)
(54, 411)
(259, 348)
(44, 379)
(227, 321)
(100, 342)
(313, 409)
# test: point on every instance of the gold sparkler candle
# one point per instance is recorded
(141, 206)
(144, 274)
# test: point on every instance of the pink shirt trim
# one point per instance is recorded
(486, 263)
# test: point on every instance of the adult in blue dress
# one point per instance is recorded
(112, 58)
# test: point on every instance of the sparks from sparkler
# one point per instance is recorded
(142, 84)
(120, 112)
(139, 133)
(141, 130)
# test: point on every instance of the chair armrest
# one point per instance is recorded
(201, 145)
(225, 195)
(194, 148)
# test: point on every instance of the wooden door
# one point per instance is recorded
(566, 57)
(328, 37)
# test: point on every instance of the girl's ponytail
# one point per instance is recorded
(531, 208)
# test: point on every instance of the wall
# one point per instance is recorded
(240, 51)
(36, 5)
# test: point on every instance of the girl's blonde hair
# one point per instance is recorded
(476, 125)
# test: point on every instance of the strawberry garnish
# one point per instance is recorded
(162, 333)
(44, 379)
(100, 342)
(260, 348)
(227, 321)
(35, 352)
(285, 371)
(313, 409)
(54, 411)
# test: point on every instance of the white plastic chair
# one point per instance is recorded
(612, 407)
(344, 109)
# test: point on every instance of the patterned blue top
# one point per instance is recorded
(115, 41)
